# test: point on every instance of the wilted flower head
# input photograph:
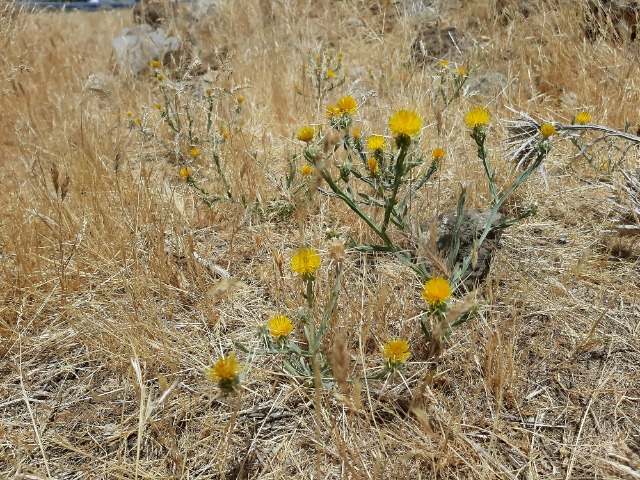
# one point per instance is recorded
(461, 71)
(546, 130)
(395, 353)
(280, 326)
(347, 105)
(306, 133)
(477, 117)
(336, 250)
(306, 262)
(376, 142)
(372, 165)
(582, 118)
(225, 372)
(405, 122)
(356, 133)
(436, 291)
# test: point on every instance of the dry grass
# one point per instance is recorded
(111, 302)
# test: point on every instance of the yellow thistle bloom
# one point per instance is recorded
(224, 372)
(306, 170)
(306, 262)
(356, 133)
(333, 111)
(139, 121)
(583, 118)
(477, 117)
(306, 133)
(372, 165)
(240, 100)
(347, 105)
(208, 92)
(280, 326)
(396, 352)
(443, 64)
(438, 154)
(331, 74)
(546, 130)
(194, 152)
(461, 71)
(155, 64)
(160, 77)
(376, 142)
(186, 172)
(405, 122)
(129, 114)
(436, 291)
(158, 106)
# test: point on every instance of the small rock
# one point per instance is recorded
(473, 224)
(490, 84)
(137, 47)
(433, 43)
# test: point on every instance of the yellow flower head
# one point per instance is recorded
(306, 262)
(139, 121)
(477, 117)
(356, 133)
(160, 77)
(461, 71)
(280, 326)
(333, 111)
(158, 106)
(396, 352)
(240, 100)
(306, 133)
(347, 105)
(443, 64)
(224, 132)
(546, 130)
(438, 154)
(376, 142)
(194, 152)
(224, 372)
(436, 291)
(405, 122)
(186, 172)
(208, 92)
(372, 165)
(129, 114)
(583, 118)
(306, 170)
(331, 74)
(155, 64)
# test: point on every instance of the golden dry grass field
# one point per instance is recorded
(119, 286)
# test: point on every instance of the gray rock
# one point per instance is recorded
(136, 47)
(490, 84)
(433, 43)
(472, 227)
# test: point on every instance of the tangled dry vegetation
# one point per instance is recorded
(119, 286)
